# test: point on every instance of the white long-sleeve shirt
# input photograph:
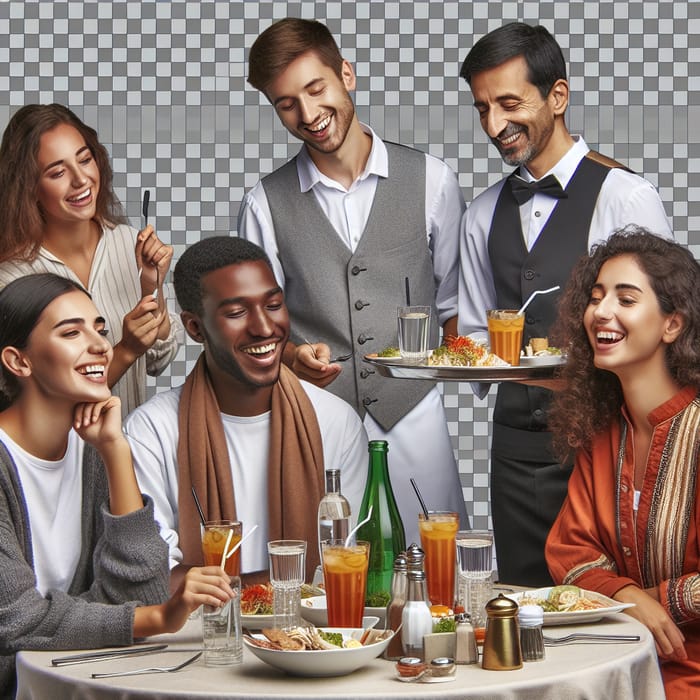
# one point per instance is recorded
(625, 198)
(348, 211)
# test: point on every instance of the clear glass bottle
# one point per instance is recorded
(399, 590)
(384, 530)
(333, 511)
(416, 619)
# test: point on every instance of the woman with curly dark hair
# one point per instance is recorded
(630, 525)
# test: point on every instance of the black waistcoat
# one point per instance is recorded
(517, 273)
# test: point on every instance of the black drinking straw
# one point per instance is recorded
(420, 498)
(199, 507)
(408, 298)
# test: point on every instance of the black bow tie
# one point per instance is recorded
(524, 190)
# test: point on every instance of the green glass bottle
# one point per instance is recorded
(384, 530)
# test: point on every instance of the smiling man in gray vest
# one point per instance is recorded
(344, 223)
(525, 233)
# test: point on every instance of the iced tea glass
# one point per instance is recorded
(438, 535)
(214, 536)
(506, 334)
(345, 577)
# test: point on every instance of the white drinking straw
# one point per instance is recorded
(357, 527)
(240, 542)
(228, 542)
(534, 294)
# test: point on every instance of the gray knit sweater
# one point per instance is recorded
(124, 563)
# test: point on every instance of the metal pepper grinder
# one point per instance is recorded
(502, 642)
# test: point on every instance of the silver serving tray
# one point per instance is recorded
(401, 369)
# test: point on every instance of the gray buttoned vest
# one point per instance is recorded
(348, 300)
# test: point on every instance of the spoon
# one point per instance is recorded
(534, 294)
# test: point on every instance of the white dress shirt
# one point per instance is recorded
(625, 198)
(348, 211)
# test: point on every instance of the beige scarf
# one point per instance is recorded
(295, 465)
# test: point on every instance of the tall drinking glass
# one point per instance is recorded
(506, 334)
(475, 558)
(437, 537)
(345, 576)
(214, 537)
(287, 558)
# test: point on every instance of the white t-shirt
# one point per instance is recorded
(152, 431)
(53, 492)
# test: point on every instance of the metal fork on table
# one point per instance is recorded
(150, 669)
(583, 638)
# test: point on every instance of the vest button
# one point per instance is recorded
(364, 373)
(367, 401)
(538, 413)
(359, 304)
(355, 270)
(529, 319)
(529, 275)
(362, 338)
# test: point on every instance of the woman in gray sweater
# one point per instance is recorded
(82, 563)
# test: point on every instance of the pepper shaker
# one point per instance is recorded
(502, 642)
(466, 651)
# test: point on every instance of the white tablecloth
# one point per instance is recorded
(592, 671)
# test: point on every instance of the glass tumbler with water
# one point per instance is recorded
(414, 329)
(287, 561)
(475, 560)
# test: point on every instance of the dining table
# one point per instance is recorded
(619, 671)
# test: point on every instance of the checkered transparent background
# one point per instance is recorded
(164, 84)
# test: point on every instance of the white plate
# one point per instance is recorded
(315, 611)
(542, 360)
(576, 616)
(320, 663)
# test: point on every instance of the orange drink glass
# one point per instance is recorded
(214, 536)
(438, 535)
(345, 577)
(506, 334)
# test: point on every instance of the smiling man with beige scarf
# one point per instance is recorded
(250, 437)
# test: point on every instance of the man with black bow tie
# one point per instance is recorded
(525, 233)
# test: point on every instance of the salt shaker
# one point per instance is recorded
(531, 618)
(415, 617)
(502, 642)
(466, 651)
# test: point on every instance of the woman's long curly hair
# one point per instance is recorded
(21, 218)
(593, 397)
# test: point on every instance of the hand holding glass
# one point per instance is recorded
(221, 630)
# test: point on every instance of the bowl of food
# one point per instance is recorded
(318, 652)
(315, 611)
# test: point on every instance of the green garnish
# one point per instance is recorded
(335, 638)
(389, 352)
(445, 624)
(378, 600)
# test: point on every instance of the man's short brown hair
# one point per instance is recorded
(286, 40)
